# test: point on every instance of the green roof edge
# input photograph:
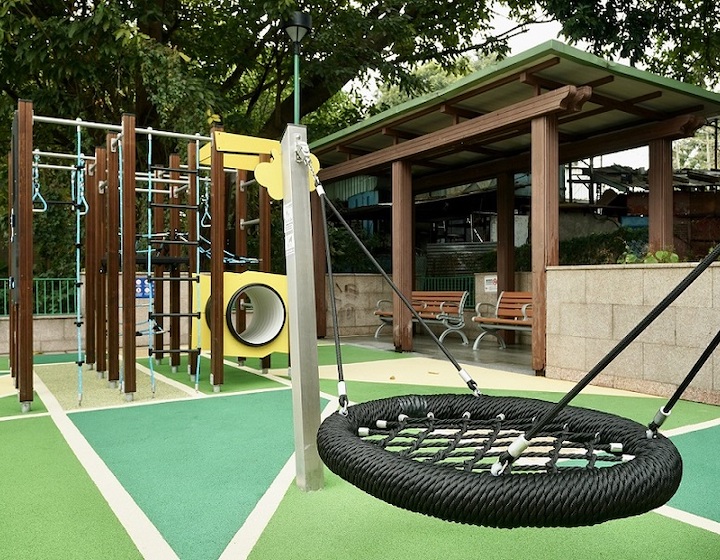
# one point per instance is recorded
(550, 47)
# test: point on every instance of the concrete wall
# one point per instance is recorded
(590, 309)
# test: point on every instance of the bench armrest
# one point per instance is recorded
(379, 305)
(482, 308)
(524, 311)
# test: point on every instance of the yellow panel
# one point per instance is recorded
(205, 154)
(274, 286)
(239, 144)
(231, 161)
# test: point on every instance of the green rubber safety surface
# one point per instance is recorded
(235, 379)
(49, 506)
(699, 493)
(10, 406)
(343, 522)
(195, 467)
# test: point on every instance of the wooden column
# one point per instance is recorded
(192, 222)
(12, 307)
(129, 230)
(265, 245)
(92, 264)
(158, 271)
(660, 198)
(545, 226)
(319, 265)
(241, 238)
(113, 260)
(175, 268)
(24, 255)
(102, 236)
(402, 252)
(506, 239)
(217, 246)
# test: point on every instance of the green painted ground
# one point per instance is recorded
(343, 522)
(10, 406)
(197, 467)
(49, 507)
(699, 492)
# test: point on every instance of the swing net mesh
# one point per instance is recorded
(433, 455)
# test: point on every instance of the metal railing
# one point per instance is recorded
(450, 283)
(51, 296)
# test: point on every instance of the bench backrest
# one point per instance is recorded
(451, 301)
(510, 305)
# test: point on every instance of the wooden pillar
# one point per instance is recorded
(12, 307)
(24, 255)
(102, 236)
(158, 271)
(241, 238)
(660, 197)
(506, 232)
(192, 222)
(113, 260)
(506, 239)
(217, 246)
(129, 230)
(545, 226)
(175, 268)
(402, 252)
(92, 265)
(319, 265)
(265, 245)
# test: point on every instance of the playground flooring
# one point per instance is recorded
(200, 475)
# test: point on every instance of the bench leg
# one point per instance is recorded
(377, 332)
(493, 333)
(462, 335)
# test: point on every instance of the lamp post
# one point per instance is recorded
(297, 27)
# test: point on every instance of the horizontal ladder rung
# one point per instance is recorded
(172, 242)
(175, 351)
(173, 169)
(173, 279)
(160, 315)
(173, 206)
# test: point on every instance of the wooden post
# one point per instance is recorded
(301, 312)
(265, 232)
(506, 239)
(192, 222)
(158, 270)
(545, 226)
(128, 254)
(660, 197)
(92, 266)
(24, 254)
(402, 252)
(113, 260)
(217, 246)
(241, 239)
(175, 268)
(12, 272)
(320, 266)
(102, 233)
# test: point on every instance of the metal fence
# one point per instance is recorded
(51, 296)
(450, 283)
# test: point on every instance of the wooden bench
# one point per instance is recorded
(445, 308)
(512, 312)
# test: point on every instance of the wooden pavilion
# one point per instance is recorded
(533, 112)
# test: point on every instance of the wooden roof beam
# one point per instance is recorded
(678, 127)
(565, 99)
(625, 106)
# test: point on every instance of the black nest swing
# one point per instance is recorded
(504, 461)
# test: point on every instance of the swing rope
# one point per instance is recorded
(37, 197)
(303, 155)
(443, 455)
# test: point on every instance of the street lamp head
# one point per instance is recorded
(298, 26)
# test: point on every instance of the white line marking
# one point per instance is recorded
(689, 518)
(144, 534)
(181, 386)
(24, 416)
(691, 428)
(246, 538)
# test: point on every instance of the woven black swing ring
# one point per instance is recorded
(556, 494)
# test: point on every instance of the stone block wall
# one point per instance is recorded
(590, 309)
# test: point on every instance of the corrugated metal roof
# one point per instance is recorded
(623, 98)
